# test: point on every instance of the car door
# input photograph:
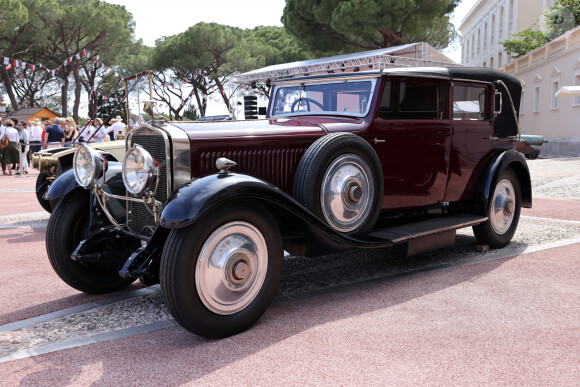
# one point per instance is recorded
(412, 136)
(472, 134)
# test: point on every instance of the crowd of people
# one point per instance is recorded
(19, 140)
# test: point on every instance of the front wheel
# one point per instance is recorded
(67, 226)
(41, 187)
(503, 212)
(220, 274)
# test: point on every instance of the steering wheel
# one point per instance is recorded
(308, 101)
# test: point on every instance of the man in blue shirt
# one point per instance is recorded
(54, 134)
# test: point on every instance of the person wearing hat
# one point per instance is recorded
(117, 126)
(36, 135)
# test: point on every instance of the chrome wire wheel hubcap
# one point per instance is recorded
(502, 209)
(346, 193)
(231, 268)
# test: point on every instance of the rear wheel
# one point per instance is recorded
(503, 212)
(219, 275)
(68, 225)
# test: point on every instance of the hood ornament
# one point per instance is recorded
(224, 165)
(151, 110)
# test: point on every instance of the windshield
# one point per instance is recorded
(346, 98)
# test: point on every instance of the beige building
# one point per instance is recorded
(542, 73)
(491, 21)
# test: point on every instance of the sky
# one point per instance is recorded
(155, 19)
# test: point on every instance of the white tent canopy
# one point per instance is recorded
(414, 54)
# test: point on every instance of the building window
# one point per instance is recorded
(499, 59)
(537, 99)
(485, 37)
(555, 88)
(576, 100)
(491, 62)
(522, 102)
(478, 42)
(501, 23)
(511, 17)
(492, 29)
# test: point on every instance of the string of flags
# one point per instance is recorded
(16, 64)
(11, 63)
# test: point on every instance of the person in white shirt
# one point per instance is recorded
(87, 131)
(35, 135)
(10, 155)
(23, 137)
(117, 127)
(2, 133)
(101, 134)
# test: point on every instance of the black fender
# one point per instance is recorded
(62, 186)
(66, 182)
(497, 164)
(200, 197)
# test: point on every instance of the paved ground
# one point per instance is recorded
(454, 316)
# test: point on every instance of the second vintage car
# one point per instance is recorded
(399, 158)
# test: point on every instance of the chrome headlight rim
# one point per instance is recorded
(96, 161)
(150, 171)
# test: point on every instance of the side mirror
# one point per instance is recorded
(497, 103)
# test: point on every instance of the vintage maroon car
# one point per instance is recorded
(396, 158)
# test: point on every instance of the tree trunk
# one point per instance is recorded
(220, 87)
(78, 89)
(64, 97)
(8, 85)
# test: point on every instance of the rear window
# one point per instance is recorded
(469, 102)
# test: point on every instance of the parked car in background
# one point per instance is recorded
(399, 158)
(53, 162)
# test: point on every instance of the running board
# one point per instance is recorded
(419, 237)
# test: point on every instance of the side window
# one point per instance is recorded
(412, 100)
(469, 102)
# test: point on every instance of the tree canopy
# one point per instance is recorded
(337, 25)
(560, 17)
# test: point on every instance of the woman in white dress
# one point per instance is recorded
(23, 138)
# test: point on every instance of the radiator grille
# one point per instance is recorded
(276, 166)
(137, 214)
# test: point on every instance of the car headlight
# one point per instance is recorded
(140, 171)
(88, 166)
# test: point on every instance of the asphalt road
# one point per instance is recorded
(453, 316)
